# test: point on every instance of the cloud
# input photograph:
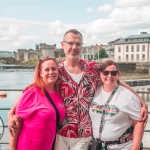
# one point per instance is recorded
(15, 34)
(106, 8)
(131, 3)
(24, 40)
(121, 22)
(89, 9)
(131, 16)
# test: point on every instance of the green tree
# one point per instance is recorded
(102, 54)
(39, 56)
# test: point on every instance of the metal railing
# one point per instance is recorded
(5, 126)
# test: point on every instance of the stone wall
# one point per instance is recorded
(42, 50)
(48, 53)
(127, 67)
(59, 53)
(33, 56)
(20, 54)
(26, 56)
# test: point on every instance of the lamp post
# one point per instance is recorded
(98, 54)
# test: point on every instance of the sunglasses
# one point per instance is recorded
(106, 73)
(44, 58)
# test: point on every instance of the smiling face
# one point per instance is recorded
(49, 72)
(109, 80)
(72, 45)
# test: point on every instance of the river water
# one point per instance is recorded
(11, 79)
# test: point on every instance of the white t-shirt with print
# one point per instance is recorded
(123, 107)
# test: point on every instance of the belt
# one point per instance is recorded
(125, 137)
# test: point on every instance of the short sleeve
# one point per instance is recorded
(26, 105)
(96, 71)
(134, 107)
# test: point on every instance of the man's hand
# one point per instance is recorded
(13, 124)
(144, 114)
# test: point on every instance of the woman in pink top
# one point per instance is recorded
(37, 115)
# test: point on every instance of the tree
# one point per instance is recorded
(102, 53)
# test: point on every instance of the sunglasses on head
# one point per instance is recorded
(42, 58)
(106, 73)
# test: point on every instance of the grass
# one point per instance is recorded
(28, 63)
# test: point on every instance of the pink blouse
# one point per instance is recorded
(39, 119)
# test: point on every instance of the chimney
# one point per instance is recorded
(143, 32)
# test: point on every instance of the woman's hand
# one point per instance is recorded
(144, 114)
(14, 123)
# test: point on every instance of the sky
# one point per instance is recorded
(25, 23)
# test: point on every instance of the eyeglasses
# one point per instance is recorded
(106, 73)
(72, 43)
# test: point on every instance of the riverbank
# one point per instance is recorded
(133, 76)
(31, 65)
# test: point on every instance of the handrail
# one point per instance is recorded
(11, 89)
(7, 143)
(4, 108)
(5, 126)
(146, 92)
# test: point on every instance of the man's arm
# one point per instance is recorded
(144, 109)
(137, 134)
(13, 121)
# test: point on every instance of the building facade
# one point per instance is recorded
(110, 48)
(135, 48)
(42, 50)
(89, 52)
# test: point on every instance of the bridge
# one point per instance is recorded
(7, 60)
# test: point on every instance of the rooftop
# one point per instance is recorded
(143, 37)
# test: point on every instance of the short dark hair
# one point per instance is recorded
(107, 63)
(74, 31)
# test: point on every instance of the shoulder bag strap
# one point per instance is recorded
(104, 110)
(56, 110)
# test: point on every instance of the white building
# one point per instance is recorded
(110, 48)
(134, 48)
(89, 52)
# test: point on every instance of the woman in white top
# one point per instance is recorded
(122, 114)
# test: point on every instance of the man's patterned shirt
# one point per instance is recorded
(77, 98)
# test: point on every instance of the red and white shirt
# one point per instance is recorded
(77, 98)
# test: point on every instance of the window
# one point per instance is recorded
(143, 57)
(119, 58)
(143, 48)
(132, 57)
(119, 49)
(137, 57)
(126, 57)
(127, 48)
(132, 48)
(137, 48)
